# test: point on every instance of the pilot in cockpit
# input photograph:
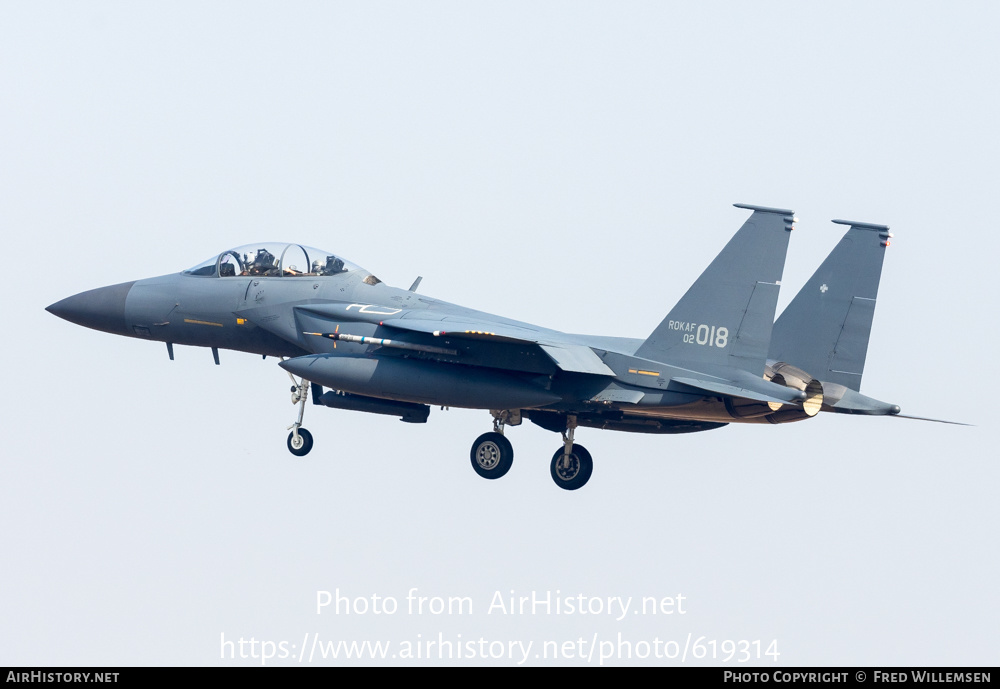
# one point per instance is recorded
(333, 266)
(262, 264)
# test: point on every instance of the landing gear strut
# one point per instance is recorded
(571, 465)
(300, 441)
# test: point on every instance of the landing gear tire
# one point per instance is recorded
(492, 455)
(574, 473)
(300, 446)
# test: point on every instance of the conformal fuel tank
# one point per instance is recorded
(427, 382)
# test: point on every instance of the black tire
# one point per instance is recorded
(492, 455)
(305, 443)
(576, 475)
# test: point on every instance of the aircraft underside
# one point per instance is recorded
(571, 465)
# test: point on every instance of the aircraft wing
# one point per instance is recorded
(467, 329)
(567, 356)
(576, 358)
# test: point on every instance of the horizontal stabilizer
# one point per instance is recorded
(924, 418)
(782, 395)
(843, 400)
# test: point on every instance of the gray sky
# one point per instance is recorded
(558, 163)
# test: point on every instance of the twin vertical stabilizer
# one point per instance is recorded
(725, 319)
(826, 327)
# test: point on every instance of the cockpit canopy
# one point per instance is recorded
(274, 260)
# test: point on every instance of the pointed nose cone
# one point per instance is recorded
(101, 309)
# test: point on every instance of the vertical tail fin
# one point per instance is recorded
(825, 329)
(725, 318)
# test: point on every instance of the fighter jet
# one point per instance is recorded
(355, 343)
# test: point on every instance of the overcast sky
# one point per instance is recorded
(570, 164)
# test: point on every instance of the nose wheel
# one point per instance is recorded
(300, 441)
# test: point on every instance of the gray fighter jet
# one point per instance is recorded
(356, 343)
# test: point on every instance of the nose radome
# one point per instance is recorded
(101, 309)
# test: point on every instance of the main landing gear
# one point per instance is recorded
(492, 454)
(571, 465)
(300, 441)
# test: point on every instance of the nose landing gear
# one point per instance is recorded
(300, 441)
